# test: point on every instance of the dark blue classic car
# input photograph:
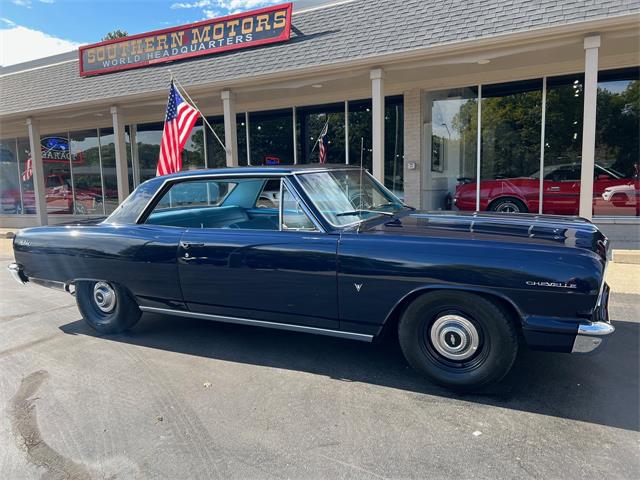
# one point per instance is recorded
(331, 251)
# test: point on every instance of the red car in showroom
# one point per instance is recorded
(560, 192)
(58, 197)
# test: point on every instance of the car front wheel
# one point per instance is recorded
(107, 307)
(459, 340)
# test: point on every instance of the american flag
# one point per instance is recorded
(28, 170)
(322, 143)
(177, 126)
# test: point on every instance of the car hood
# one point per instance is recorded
(526, 229)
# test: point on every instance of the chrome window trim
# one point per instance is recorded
(261, 323)
(224, 175)
(305, 208)
(161, 188)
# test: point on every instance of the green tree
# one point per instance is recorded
(114, 34)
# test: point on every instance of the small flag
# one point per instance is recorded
(322, 143)
(180, 119)
(28, 171)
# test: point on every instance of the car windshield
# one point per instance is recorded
(347, 197)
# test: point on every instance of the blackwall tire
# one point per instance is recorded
(107, 307)
(508, 205)
(434, 327)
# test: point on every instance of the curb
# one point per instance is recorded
(626, 256)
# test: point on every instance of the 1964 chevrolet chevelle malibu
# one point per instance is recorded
(334, 253)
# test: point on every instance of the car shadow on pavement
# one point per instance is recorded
(601, 389)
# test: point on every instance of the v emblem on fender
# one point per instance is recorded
(358, 286)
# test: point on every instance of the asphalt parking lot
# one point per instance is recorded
(178, 398)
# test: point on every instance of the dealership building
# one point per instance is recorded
(513, 106)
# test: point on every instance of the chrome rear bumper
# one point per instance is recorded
(17, 273)
(593, 334)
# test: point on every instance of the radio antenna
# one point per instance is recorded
(361, 169)
(361, 174)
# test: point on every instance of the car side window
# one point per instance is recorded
(270, 194)
(293, 216)
(227, 203)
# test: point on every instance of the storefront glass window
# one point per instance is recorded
(148, 138)
(87, 178)
(510, 155)
(311, 122)
(10, 178)
(193, 153)
(241, 129)
(26, 178)
(452, 126)
(616, 186)
(360, 134)
(216, 156)
(57, 162)
(563, 145)
(271, 137)
(109, 176)
(394, 144)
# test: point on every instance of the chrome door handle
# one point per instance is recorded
(187, 245)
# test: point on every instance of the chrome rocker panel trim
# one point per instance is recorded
(591, 336)
(261, 323)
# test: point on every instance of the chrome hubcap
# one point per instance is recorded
(508, 207)
(454, 337)
(104, 296)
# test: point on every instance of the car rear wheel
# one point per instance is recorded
(459, 340)
(107, 307)
(508, 205)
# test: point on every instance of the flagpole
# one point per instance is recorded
(326, 125)
(204, 119)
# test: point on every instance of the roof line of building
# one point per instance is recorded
(39, 63)
(454, 47)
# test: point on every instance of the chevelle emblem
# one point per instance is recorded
(551, 284)
(23, 243)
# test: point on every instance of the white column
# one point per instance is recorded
(120, 145)
(135, 159)
(591, 45)
(413, 170)
(230, 129)
(38, 171)
(377, 100)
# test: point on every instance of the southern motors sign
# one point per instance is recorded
(257, 27)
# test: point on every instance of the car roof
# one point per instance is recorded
(275, 169)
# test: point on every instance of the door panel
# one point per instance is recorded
(561, 198)
(153, 278)
(287, 277)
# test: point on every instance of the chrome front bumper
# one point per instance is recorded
(17, 273)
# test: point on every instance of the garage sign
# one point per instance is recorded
(244, 30)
